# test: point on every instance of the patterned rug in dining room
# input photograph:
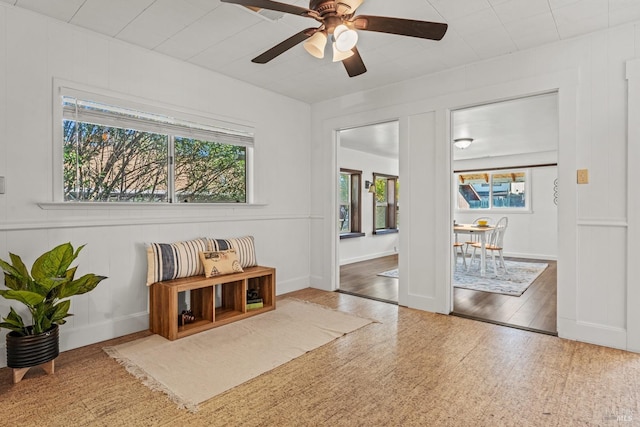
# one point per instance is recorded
(519, 277)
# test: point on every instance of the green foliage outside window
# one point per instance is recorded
(115, 164)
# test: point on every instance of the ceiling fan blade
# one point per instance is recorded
(284, 46)
(354, 64)
(403, 27)
(273, 5)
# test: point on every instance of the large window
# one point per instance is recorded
(349, 214)
(119, 154)
(493, 190)
(386, 207)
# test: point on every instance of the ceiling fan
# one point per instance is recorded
(337, 20)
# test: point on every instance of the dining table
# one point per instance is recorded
(482, 231)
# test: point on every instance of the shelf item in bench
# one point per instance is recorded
(186, 317)
(164, 297)
(254, 305)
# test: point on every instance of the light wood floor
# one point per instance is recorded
(535, 309)
(411, 368)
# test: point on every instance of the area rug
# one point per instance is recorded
(194, 369)
(519, 277)
(389, 273)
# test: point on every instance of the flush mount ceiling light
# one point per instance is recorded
(462, 143)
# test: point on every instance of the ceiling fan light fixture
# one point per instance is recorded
(339, 55)
(345, 38)
(462, 143)
(315, 44)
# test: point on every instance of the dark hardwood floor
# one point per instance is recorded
(361, 278)
(534, 310)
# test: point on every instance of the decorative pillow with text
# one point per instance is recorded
(217, 263)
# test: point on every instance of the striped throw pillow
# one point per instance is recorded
(168, 261)
(244, 246)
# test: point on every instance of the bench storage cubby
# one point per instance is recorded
(164, 312)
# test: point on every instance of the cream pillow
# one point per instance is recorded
(217, 263)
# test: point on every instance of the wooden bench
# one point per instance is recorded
(232, 306)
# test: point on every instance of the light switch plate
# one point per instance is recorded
(1, 184)
(583, 176)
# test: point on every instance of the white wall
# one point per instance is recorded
(371, 245)
(590, 74)
(33, 51)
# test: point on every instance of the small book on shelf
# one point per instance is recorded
(254, 305)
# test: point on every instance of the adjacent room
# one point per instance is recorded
(197, 199)
(505, 169)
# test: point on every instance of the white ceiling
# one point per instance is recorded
(225, 37)
(520, 126)
(515, 127)
(381, 139)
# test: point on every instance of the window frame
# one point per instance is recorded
(63, 88)
(391, 219)
(527, 208)
(355, 195)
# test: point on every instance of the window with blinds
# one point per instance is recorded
(115, 153)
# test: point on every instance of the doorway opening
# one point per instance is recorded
(369, 211)
(505, 172)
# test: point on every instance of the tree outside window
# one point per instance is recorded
(115, 154)
(349, 210)
(386, 206)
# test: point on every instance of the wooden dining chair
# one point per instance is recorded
(494, 244)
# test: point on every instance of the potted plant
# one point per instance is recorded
(45, 292)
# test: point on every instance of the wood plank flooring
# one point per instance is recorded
(410, 368)
(535, 309)
(361, 278)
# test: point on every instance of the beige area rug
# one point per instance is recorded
(194, 369)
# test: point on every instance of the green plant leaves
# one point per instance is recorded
(45, 290)
(53, 264)
(30, 299)
(13, 322)
(80, 286)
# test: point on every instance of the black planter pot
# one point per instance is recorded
(32, 350)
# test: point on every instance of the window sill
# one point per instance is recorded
(386, 231)
(131, 205)
(351, 235)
